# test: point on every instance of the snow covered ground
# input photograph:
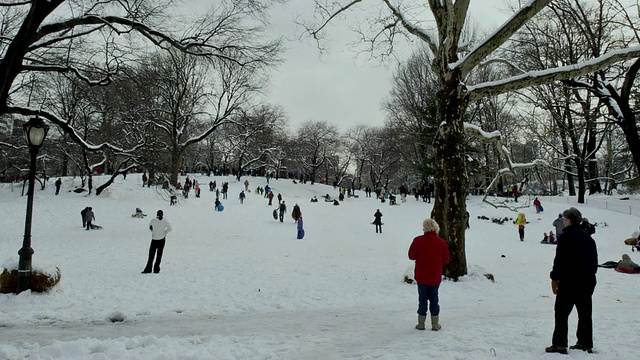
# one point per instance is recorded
(239, 285)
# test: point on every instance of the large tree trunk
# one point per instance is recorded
(451, 180)
(592, 166)
(581, 184)
(175, 166)
(630, 129)
(567, 168)
(11, 63)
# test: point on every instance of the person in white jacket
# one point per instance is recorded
(159, 228)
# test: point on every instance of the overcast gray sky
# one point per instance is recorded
(340, 86)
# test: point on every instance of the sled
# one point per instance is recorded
(275, 214)
(300, 233)
(541, 209)
(219, 207)
(628, 271)
(96, 227)
(609, 265)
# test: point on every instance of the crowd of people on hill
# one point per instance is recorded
(573, 274)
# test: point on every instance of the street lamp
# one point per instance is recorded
(35, 130)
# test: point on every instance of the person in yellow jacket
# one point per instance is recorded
(521, 221)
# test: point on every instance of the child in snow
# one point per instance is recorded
(626, 265)
(538, 205)
(545, 239)
(552, 238)
(139, 214)
(300, 228)
(521, 221)
(296, 213)
(89, 217)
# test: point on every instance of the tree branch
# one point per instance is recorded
(541, 77)
(469, 62)
(413, 29)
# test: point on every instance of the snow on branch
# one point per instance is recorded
(499, 37)
(502, 61)
(69, 130)
(535, 78)
(68, 69)
(158, 38)
(496, 137)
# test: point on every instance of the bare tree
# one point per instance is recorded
(411, 112)
(570, 32)
(315, 142)
(252, 136)
(93, 40)
(453, 65)
(613, 86)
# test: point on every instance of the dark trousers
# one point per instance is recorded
(378, 226)
(156, 246)
(521, 232)
(89, 225)
(281, 216)
(428, 295)
(565, 301)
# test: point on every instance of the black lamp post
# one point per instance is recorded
(35, 130)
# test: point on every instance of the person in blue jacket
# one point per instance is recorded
(300, 228)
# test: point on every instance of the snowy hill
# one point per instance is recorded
(239, 285)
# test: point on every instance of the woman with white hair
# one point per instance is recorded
(430, 253)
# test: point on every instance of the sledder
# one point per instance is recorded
(138, 214)
(634, 241)
(296, 213)
(627, 266)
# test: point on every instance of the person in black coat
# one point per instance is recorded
(83, 214)
(58, 184)
(573, 280)
(282, 209)
(377, 216)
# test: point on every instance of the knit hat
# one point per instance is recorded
(159, 214)
(574, 216)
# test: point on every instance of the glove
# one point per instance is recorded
(151, 227)
(554, 287)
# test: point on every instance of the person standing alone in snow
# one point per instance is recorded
(283, 209)
(159, 228)
(521, 221)
(377, 220)
(573, 280)
(430, 253)
(538, 205)
(300, 228)
(58, 184)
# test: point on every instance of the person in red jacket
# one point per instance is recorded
(430, 253)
